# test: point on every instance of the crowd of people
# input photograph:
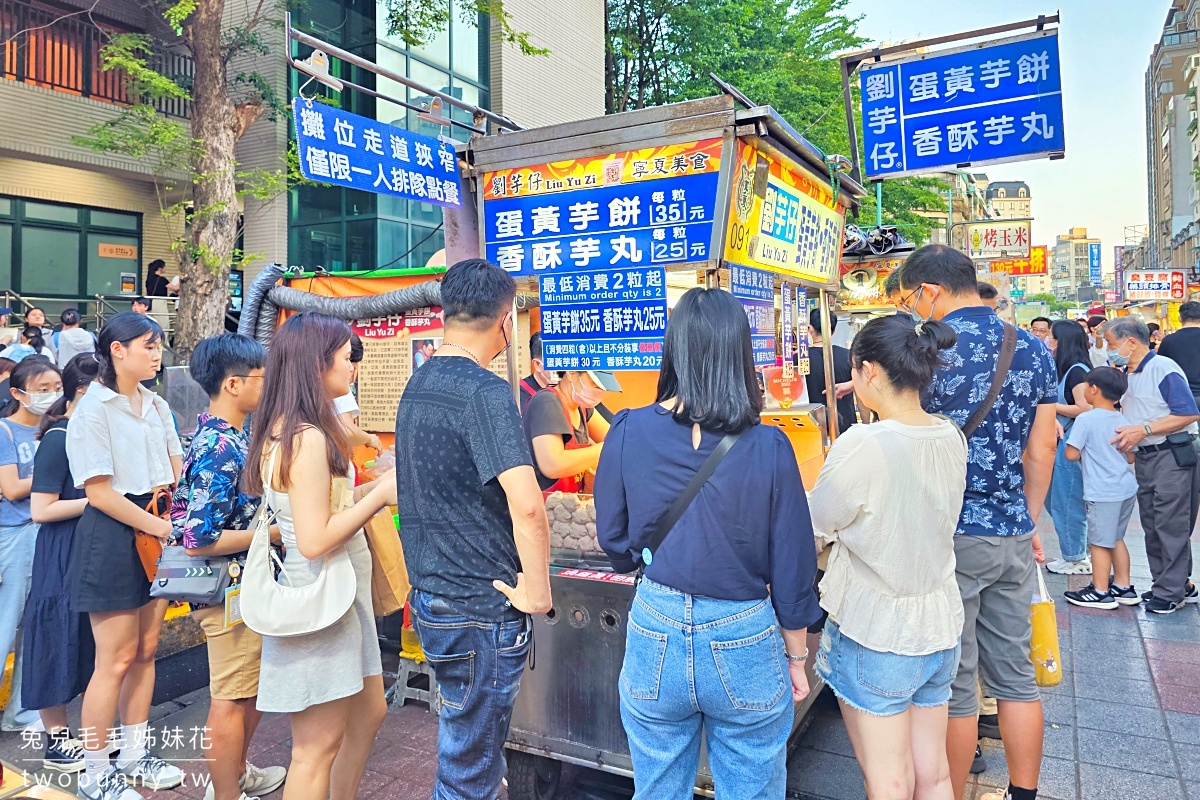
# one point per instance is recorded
(979, 425)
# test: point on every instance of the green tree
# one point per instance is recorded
(1053, 304)
(780, 53)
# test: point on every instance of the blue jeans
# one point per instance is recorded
(16, 576)
(693, 662)
(478, 664)
(1066, 506)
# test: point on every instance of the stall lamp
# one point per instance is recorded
(433, 113)
(317, 66)
(840, 163)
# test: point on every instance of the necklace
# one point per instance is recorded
(900, 411)
(465, 350)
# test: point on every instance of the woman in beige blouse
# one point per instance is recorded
(886, 505)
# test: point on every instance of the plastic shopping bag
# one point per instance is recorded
(1043, 644)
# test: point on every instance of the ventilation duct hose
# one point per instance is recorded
(369, 306)
(268, 317)
(268, 277)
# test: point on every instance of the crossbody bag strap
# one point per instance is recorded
(1007, 347)
(689, 494)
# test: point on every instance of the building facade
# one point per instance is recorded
(1013, 200)
(1172, 143)
(76, 223)
(1070, 268)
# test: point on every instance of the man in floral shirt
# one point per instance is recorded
(1009, 460)
(211, 516)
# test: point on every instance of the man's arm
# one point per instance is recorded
(1038, 459)
(531, 530)
(1180, 402)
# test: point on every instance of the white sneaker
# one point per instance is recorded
(1063, 567)
(256, 782)
(110, 785)
(152, 772)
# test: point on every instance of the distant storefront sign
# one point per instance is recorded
(1021, 267)
(1119, 270)
(129, 283)
(628, 209)
(1155, 286)
(344, 149)
(781, 219)
(998, 240)
(608, 319)
(1094, 272)
(1110, 297)
(117, 250)
(980, 104)
(755, 290)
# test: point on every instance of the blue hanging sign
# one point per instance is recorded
(344, 149)
(983, 104)
(1094, 272)
(609, 319)
(755, 290)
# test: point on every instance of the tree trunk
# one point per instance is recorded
(212, 234)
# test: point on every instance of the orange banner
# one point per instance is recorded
(632, 166)
(1018, 267)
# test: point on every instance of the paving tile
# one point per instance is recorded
(1064, 687)
(1133, 720)
(828, 733)
(1099, 687)
(1179, 698)
(398, 761)
(1169, 632)
(1112, 647)
(1184, 727)
(1108, 783)
(1133, 669)
(1110, 749)
(1193, 791)
(1059, 708)
(1112, 623)
(1189, 761)
(1178, 672)
(1188, 616)
(838, 777)
(1163, 650)
(1124, 612)
(1059, 741)
(1064, 620)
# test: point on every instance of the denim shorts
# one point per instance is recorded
(884, 684)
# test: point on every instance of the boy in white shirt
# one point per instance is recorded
(1109, 489)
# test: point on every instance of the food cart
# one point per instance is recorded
(647, 204)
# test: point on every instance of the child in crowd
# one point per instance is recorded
(1109, 489)
(34, 386)
(123, 451)
(59, 650)
(211, 517)
(346, 406)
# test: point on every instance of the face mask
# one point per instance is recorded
(912, 311)
(40, 402)
(587, 397)
(1116, 359)
(543, 377)
(504, 333)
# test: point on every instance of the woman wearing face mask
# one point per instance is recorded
(34, 386)
(564, 431)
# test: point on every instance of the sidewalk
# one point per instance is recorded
(1124, 724)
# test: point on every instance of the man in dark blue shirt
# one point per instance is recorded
(1009, 460)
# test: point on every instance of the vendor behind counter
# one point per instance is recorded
(564, 431)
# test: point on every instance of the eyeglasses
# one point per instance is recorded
(247, 377)
(904, 300)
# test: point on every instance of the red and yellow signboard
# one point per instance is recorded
(1019, 267)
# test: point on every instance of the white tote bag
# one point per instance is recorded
(273, 607)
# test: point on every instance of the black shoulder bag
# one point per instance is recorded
(683, 501)
(1007, 347)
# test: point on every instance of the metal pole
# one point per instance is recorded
(513, 376)
(831, 420)
(851, 128)
(879, 204)
(950, 218)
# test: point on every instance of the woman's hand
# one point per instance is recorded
(161, 529)
(387, 486)
(1058, 429)
(374, 443)
(799, 680)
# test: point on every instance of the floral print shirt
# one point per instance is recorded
(994, 503)
(209, 499)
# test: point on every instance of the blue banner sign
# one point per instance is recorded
(664, 221)
(787, 317)
(802, 363)
(610, 319)
(980, 105)
(755, 290)
(1094, 272)
(344, 149)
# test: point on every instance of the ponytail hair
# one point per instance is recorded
(29, 368)
(908, 353)
(33, 335)
(125, 327)
(79, 372)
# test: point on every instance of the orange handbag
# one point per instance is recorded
(149, 547)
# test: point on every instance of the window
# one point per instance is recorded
(5, 207)
(52, 213)
(49, 261)
(113, 219)
(1001, 193)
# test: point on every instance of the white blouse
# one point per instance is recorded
(888, 501)
(105, 437)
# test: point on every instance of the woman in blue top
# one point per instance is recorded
(34, 386)
(1073, 360)
(704, 646)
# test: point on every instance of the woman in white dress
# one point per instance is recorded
(330, 680)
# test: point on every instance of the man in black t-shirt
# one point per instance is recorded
(474, 528)
(841, 371)
(1183, 346)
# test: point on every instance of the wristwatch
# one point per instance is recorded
(1146, 428)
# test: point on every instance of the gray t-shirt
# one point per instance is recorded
(18, 445)
(1107, 475)
(544, 415)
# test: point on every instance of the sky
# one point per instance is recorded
(1105, 49)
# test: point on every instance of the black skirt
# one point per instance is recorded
(106, 573)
